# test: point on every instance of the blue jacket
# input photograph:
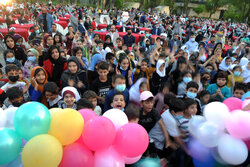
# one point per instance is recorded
(81, 29)
(143, 19)
(34, 95)
(158, 31)
(49, 19)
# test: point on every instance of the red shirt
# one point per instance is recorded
(93, 25)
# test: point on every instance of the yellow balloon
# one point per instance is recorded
(42, 151)
(66, 126)
(55, 110)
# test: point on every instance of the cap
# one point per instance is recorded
(146, 95)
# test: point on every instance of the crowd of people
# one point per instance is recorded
(159, 82)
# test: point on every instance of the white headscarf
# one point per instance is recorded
(158, 64)
(73, 90)
(134, 91)
(246, 73)
(223, 65)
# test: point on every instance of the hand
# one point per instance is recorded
(218, 91)
(129, 73)
(79, 57)
(71, 82)
(34, 82)
(171, 145)
(117, 71)
(80, 84)
(231, 73)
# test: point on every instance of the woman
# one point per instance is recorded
(55, 65)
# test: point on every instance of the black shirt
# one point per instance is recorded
(101, 88)
(149, 120)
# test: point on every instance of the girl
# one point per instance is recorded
(31, 62)
(19, 41)
(81, 59)
(58, 40)
(226, 64)
(159, 98)
(205, 79)
(108, 42)
(142, 70)
(18, 51)
(48, 41)
(38, 80)
(204, 97)
(235, 76)
(74, 76)
(186, 77)
(55, 65)
(136, 90)
(9, 57)
(70, 97)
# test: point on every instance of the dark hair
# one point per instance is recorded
(107, 36)
(117, 76)
(51, 87)
(165, 84)
(209, 65)
(8, 36)
(132, 111)
(89, 94)
(168, 97)
(84, 103)
(116, 94)
(145, 60)
(203, 93)
(109, 56)
(6, 52)
(122, 57)
(103, 65)
(37, 71)
(14, 92)
(60, 38)
(192, 84)
(222, 74)
(51, 48)
(177, 105)
(99, 41)
(240, 86)
(188, 102)
(238, 66)
(76, 50)
(10, 67)
(185, 73)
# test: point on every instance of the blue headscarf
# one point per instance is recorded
(95, 59)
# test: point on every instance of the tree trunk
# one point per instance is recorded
(141, 3)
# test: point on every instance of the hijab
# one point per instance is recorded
(95, 60)
(223, 65)
(71, 90)
(158, 65)
(135, 90)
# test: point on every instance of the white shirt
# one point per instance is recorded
(18, 84)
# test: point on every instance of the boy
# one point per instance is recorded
(118, 101)
(83, 104)
(133, 112)
(15, 96)
(239, 90)
(100, 49)
(102, 84)
(2, 81)
(92, 97)
(119, 84)
(51, 94)
(110, 58)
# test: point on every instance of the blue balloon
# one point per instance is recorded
(32, 119)
(208, 162)
(10, 145)
(245, 96)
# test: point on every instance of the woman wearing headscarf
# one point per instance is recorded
(47, 42)
(31, 62)
(70, 97)
(92, 74)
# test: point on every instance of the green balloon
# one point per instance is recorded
(32, 119)
(10, 145)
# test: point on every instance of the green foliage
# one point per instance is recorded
(199, 9)
(119, 4)
(212, 5)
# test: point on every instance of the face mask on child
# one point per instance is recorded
(10, 60)
(13, 78)
(237, 73)
(32, 58)
(191, 95)
(187, 79)
(120, 87)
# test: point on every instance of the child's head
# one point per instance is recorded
(204, 96)
(11, 71)
(237, 71)
(9, 41)
(84, 104)
(103, 70)
(190, 107)
(32, 55)
(143, 86)
(205, 77)
(228, 61)
(51, 91)
(73, 65)
(123, 61)
(78, 52)
(177, 107)
(209, 68)
(119, 82)
(144, 64)
(186, 77)
(133, 112)
(99, 45)
(9, 56)
(239, 90)
(70, 95)
(165, 88)
(118, 101)
(221, 80)
(147, 101)
(91, 96)
(15, 96)
(192, 89)
(110, 58)
(39, 74)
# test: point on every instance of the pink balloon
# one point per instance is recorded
(247, 142)
(233, 103)
(131, 140)
(108, 158)
(77, 155)
(118, 117)
(245, 103)
(87, 114)
(238, 124)
(98, 133)
(131, 160)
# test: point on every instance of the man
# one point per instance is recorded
(143, 19)
(156, 30)
(54, 31)
(177, 27)
(211, 44)
(45, 20)
(87, 23)
(81, 27)
(191, 44)
(90, 33)
(123, 29)
(135, 29)
(174, 41)
(35, 34)
(129, 39)
(113, 34)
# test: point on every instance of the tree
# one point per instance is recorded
(185, 7)
(199, 9)
(212, 5)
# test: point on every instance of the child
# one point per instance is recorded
(187, 77)
(84, 104)
(219, 89)
(100, 49)
(159, 98)
(81, 59)
(197, 78)
(110, 58)
(70, 97)
(92, 97)
(51, 94)
(9, 57)
(31, 62)
(102, 85)
(2, 81)
(235, 77)
(239, 90)
(205, 79)
(136, 90)
(118, 101)
(119, 85)
(133, 113)
(204, 97)
(15, 96)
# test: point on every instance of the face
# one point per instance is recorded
(143, 87)
(17, 100)
(119, 43)
(57, 38)
(165, 90)
(161, 68)
(12, 73)
(103, 73)
(221, 81)
(10, 43)
(118, 102)
(205, 98)
(182, 66)
(55, 54)
(71, 29)
(148, 105)
(191, 110)
(53, 28)
(119, 81)
(112, 29)
(20, 40)
(193, 90)
(79, 44)
(111, 61)
(72, 66)
(9, 55)
(93, 101)
(238, 93)
(69, 99)
(124, 64)
(50, 96)
(228, 62)
(79, 53)
(144, 66)
(100, 45)
(50, 41)
(40, 77)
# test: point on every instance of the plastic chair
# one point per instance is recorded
(59, 28)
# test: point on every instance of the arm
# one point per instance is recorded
(165, 133)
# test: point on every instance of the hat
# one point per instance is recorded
(146, 95)
(164, 35)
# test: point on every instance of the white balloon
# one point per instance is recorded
(208, 134)
(195, 123)
(232, 150)
(118, 117)
(216, 112)
(10, 112)
(3, 118)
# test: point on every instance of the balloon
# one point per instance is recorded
(233, 103)
(87, 114)
(32, 119)
(131, 160)
(77, 155)
(118, 117)
(245, 103)
(55, 110)
(10, 113)
(195, 123)
(238, 124)
(208, 134)
(247, 142)
(149, 162)
(232, 150)
(217, 157)
(246, 96)
(109, 157)
(3, 119)
(131, 140)
(209, 162)
(66, 126)
(16, 163)
(197, 150)
(99, 133)
(217, 113)
(10, 145)
(42, 150)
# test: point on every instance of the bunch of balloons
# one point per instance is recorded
(66, 138)
(221, 134)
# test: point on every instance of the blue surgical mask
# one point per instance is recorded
(208, 70)
(18, 44)
(237, 73)
(192, 39)
(178, 117)
(147, 35)
(122, 68)
(37, 31)
(187, 79)
(191, 95)
(10, 60)
(32, 58)
(120, 87)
